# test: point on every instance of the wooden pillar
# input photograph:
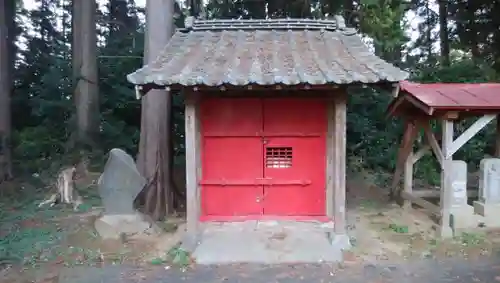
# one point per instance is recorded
(396, 89)
(330, 159)
(497, 138)
(445, 229)
(339, 163)
(193, 170)
(404, 155)
(408, 179)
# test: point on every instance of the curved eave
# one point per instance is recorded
(144, 89)
(162, 83)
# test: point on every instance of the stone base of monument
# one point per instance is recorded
(117, 226)
(464, 217)
(490, 212)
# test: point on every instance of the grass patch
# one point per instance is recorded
(470, 239)
(367, 204)
(27, 236)
(30, 235)
(400, 229)
(179, 256)
(176, 256)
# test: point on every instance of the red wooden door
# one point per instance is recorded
(294, 157)
(263, 157)
(231, 157)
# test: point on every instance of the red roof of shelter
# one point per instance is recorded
(448, 96)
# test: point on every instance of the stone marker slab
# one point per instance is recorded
(489, 181)
(462, 213)
(488, 204)
(459, 183)
(120, 183)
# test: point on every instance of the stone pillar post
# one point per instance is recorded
(462, 213)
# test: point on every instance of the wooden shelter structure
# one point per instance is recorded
(265, 114)
(419, 104)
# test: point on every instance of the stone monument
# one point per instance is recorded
(118, 186)
(463, 213)
(488, 204)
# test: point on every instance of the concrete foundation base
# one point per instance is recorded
(463, 217)
(341, 241)
(190, 242)
(116, 226)
(444, 232)
(490, 213)
(268, 242)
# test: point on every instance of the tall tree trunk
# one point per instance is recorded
(154, 150)
(443, 32)
(7, 14)
(85, 61)
(428, 31)
(76, 45)
(348, 9)
(76, 57)
(194, 8)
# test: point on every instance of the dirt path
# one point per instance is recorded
(486, 270)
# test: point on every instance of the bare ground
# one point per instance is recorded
(382, 233)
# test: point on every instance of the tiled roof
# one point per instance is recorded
(266, 52)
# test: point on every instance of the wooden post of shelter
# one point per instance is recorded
(407, 158)
(445, 230)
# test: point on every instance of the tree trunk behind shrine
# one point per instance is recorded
(85, 72)
(76, 46)
(154, 150)
(7, 13)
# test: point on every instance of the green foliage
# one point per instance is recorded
(369, 131)
(38, 145)
(384, 26)
(43, 105)
(400, 229)
(461, 71)
(179, 256)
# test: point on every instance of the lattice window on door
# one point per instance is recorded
(278, 157)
